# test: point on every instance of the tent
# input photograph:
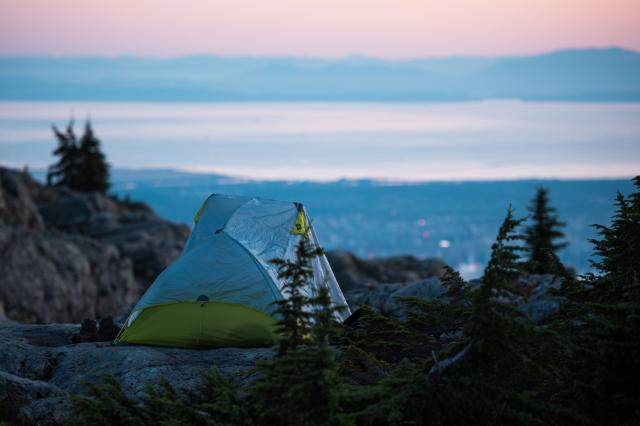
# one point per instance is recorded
(222, 288)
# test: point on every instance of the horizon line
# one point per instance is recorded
(318, 58)
(381, 181)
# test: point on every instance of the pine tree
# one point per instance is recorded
(485, 328)
(433, 324)
(609, 347)
(504, 265)
(82, 165)
(295, 316)
(66, 171)
(542, 235)
(502, 372)
(325, 328)
(384, 337)
(94, 170)
(299, 386)
(618, 250)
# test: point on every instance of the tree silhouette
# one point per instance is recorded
(504, 265)
(81, 165)
(305, 365)
(608, 359)
(542, 235)
(65, 171)
(503, 269)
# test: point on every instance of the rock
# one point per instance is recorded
(139, 234)
(540, 303)
(68, 255)
(534, 299)
(45, 411)
(52, 277)
(32, 401)
(353, 272)
(386, 297)
(22, 358)
(39, 368)
(16, 202)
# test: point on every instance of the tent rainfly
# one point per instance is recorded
(221, 290)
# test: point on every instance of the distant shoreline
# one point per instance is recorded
(576, 75)
(123, 174)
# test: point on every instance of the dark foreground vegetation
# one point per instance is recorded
(467, 358)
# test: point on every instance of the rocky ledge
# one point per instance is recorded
(40, 368)
(68, 255)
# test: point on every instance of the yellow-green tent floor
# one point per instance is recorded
(208, 324)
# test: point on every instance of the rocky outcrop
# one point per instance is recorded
(17, 206)
(27, 401)
(66, 255)
(138, 233)
(535, 299)
(387, 298)
(355, 273)
(540, 301)
(39, 368)
(49, 276)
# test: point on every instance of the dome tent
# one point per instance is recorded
(222, 288)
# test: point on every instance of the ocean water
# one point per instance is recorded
(428, 179)
(328, 141)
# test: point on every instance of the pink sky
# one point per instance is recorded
(327, 28)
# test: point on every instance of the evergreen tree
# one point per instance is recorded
(485, 328)
(81, 165)
(457, 288)
(299, 386)
(384, 337)
(508, 372)
(66, 171)
(618, 250)
(94, 170)
(294, 310)
(542, 235)
(433, 324)
(504, 265)
(608, 337)
(501, 370)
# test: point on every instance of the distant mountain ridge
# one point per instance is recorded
(565, 75)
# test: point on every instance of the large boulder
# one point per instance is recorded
(353, 272)
(17, 207)
(40, 368)
(387, 298)
(536, 297)
(139, 234)
(68, 255)
(27, 401)
(53, 277)
(540, 301)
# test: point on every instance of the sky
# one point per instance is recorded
(392, 29)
